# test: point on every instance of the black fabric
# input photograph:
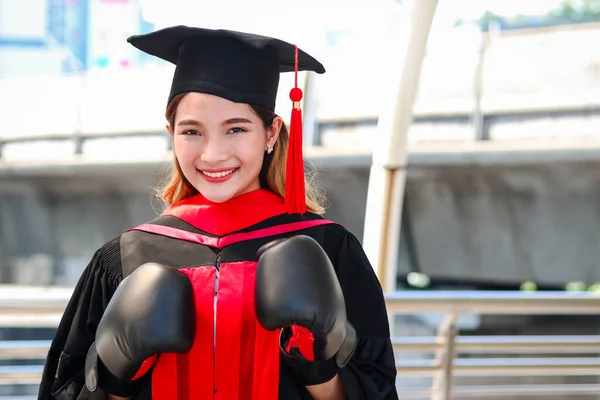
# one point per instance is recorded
(63, 375)
(238, 66)
(371, 372)
(248, 250)
(282, 219)
(369, 375)
(181, 253)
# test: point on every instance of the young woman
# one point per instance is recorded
(240, 289)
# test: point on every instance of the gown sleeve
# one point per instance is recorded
(371, 372)
(62, 377)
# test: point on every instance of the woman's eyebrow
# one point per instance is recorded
(238, 120)
(189, 122)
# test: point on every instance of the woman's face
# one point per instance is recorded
(220, 145)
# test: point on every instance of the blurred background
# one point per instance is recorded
(502, 186)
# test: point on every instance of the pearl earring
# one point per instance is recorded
(269, 149)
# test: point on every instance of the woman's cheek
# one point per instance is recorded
(187, 150)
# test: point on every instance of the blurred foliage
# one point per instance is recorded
(568, 12)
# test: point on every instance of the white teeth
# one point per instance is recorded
(218, 174)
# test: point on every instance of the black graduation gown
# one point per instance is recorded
(370, 374)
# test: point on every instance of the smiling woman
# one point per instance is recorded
(231, 290)
(220, 145)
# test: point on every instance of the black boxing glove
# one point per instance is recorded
(297, 290)
(151, 312)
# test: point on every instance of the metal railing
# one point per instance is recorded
(452, 355)
(476, 356)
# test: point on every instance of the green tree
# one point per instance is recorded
(488, 19)
(568, 12)
(574, 12)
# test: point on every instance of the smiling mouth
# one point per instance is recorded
(219, 174)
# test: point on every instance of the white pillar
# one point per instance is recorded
(388, 173)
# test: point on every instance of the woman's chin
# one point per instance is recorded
(217, 197)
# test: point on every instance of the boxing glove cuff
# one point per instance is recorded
(309, 373)
(97, 376)
(348, 347)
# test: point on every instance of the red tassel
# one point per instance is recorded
(295, 190)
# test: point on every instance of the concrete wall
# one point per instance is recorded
(508, 224)
(50, 227)
(503, 223)
(497, 223)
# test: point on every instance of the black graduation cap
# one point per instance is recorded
(241, 67)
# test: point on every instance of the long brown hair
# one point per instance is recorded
(271, 177)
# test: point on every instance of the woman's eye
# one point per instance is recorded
(236, 130)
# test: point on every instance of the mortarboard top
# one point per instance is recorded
(241, 67)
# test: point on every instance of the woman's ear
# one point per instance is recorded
(273, 131)
(168, 126)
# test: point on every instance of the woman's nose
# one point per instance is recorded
(214, 151)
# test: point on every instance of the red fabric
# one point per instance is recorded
(241, 362)
(145, 367)
(231, 239)
(233, 215)
(303, 340)
(183, 377)
(190, 376)
(240, 337)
